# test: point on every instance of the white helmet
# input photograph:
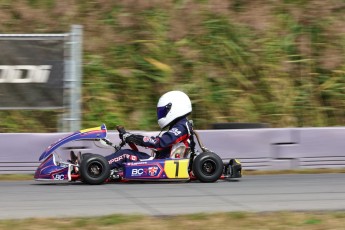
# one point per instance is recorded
(172, 105)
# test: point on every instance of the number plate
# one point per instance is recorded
(176, 168)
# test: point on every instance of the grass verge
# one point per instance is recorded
(231, 220)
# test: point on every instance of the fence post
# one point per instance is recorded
(72, 115)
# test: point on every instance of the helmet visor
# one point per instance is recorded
(163, 111)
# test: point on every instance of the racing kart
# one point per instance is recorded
(184, 164)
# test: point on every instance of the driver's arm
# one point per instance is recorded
(169, 138)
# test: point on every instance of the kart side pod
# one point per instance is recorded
(206, 167)
(94, 169)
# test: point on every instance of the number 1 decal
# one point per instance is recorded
(176, 168)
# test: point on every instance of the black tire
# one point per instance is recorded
(94, 169)
(208, 167)
(84, 155)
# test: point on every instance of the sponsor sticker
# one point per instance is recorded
(150, 140)
(144, 171)
(139, 171)
(58, 177)
(124, 156)
(137, 163)
(153, 171)
(175, 131)
(24, 73)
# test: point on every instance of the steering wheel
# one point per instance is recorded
(122, 131)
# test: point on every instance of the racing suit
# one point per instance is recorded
(179, 131)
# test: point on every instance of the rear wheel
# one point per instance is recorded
(81, 156)
(94, 169)
(208, 167)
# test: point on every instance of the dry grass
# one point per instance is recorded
(239, 61)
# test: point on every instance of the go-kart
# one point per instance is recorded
(184, 164)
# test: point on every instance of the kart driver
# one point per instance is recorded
(172, 110)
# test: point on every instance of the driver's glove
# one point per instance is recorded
(133, 138)
(122, 131)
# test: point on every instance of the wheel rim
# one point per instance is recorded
(208, 167)
(95, 169)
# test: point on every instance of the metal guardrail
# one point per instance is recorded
(258, 149)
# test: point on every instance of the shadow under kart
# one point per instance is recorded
(92, 168)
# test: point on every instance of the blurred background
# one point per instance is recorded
(279, 62)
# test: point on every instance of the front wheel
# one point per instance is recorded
(208, 167)
(94, 169)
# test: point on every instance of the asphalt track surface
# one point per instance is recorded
(301, 192)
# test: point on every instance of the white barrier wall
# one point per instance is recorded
(258, 149)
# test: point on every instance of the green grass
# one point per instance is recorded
(232, 220)
(16, 177)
